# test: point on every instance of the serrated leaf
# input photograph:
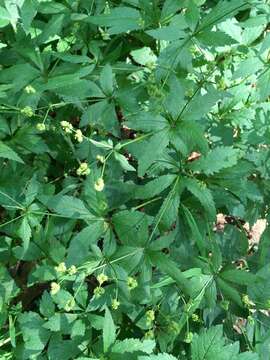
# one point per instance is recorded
(167, 266)
(144, 56)
(168, 33)
(219, 158)
(7, 153)
(123, 162)
(222, 11)
(154, 187)
(109, 331)
(25, 232)
(158, 357)
(133, 345)
(70, 207)
(119, 20)
(202, 193)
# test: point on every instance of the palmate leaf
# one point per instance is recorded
(219, 158)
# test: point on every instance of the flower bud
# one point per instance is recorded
(41, 127)
(83, 169)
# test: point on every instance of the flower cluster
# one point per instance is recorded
(41, 127)
(29, 89)
(67, 126)
(27, 111)
(102, 278)
(78, 136)
(150, 317)
(115, 304)
(83, 169)
(131, 283)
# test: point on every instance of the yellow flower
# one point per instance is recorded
(66, 126)
(29, 89)
(83, 169)
(115, 304)
(54, 288)
(149, 334)
(246, 300)
(131, 283)
(72, 270)
(100, 158)
(61, 268)
(150, 316)
(99, 184)
(102, 278)
(98, 291)
(41, 127)
(27, 111)
(78, 136)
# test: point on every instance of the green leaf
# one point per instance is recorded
(4, 17)
(219, 158)
(158, 357)
(192, 15)
(131, 227)
(263, 85)
(194, 229)
(109, 331)
(149, 151)
(70, 207)
(204, 195)
(119, 20)
(222, 11)
(25, 232)
(168, 33)
(146, 121)
(154, 187)
(167, 266)
(7, 153)
(28, 12)
(240, 277)
(35, 337)
(229, 292)
(123, 162)
(209, 344)
(215, 38)
(133, 345)
(144, 56)
(106, 80)
(79, 247)
(52, 28)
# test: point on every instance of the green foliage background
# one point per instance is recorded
(125, 128)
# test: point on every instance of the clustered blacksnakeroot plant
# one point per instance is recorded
(134, 154)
